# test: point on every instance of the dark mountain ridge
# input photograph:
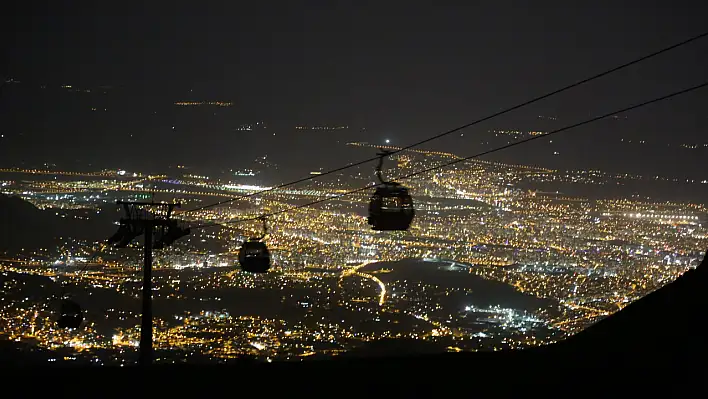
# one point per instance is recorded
(24, 227)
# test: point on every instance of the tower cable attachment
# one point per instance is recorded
(147, 218)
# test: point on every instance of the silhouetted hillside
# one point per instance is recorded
(24, 226)
(668, 323)
(20, 354)
(392, 347)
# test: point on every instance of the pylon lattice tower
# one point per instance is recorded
(153, 220)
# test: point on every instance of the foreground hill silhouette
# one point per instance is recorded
(24, 227)
(667, 324)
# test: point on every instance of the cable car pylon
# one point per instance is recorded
(147, 218)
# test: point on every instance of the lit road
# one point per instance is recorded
(561, 324)
(597, 312)
(440, 328)
(354, 271)
(59, 173)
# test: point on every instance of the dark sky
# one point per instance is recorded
(405, 70)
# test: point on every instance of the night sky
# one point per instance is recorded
(402, 70)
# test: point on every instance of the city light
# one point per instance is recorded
(587, 257)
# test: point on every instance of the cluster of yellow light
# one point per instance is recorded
(196, 103)
(564, 228)
(321, 127)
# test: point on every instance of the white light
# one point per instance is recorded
(245, 187)
(388, 141)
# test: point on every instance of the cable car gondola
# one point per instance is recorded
(70, 314)
(254, 256)
(391, 206)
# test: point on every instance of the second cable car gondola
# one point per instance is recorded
(70, 314)
(254, 256)
(391, 206)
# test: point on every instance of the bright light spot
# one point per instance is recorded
(245, 187)
(388, 141)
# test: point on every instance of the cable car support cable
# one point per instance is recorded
(457, 129)
(456, 161)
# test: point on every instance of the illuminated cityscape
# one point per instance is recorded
(361, 187)
(486, 265)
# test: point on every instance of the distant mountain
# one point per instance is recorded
(24, 227)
